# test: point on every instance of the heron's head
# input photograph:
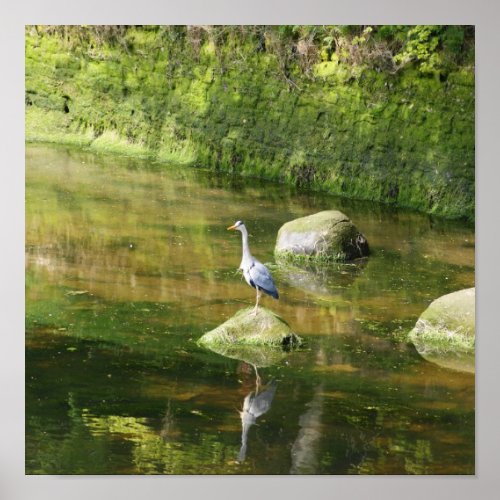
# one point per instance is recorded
(236, 227)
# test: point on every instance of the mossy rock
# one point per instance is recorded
(445, 333)
(327, 236)
(261, 340)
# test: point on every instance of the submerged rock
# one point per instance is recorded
(255, 355)
(322, 281)
(323, 237)
(445, 333)
(259, 340)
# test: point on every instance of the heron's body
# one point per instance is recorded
(255, 273)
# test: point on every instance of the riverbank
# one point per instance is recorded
(240, 102)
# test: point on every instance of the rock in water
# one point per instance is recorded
(323, 237)
(261, 340)
(264, 329)
(445, 333)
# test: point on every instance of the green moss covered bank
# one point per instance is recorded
(232, 103)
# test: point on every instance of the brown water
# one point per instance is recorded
(128, 263)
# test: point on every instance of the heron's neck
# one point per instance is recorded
(246, 250)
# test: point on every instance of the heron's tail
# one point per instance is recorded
(273, 293)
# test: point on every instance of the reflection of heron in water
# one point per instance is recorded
(255, 404)
(168, 421)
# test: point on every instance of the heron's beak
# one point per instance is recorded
(231, 228)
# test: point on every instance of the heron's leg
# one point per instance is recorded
(258, 381)
(257, 301)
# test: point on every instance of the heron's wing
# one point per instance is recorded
(262, 278)
(262, 402)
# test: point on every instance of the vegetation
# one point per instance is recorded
(382, 113)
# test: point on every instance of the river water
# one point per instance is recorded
(128, 263)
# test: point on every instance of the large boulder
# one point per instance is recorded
(261, 340)
(445, 333)
(323, 237)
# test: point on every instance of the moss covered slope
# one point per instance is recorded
(238, 103)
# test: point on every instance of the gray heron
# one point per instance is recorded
(255, 273)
